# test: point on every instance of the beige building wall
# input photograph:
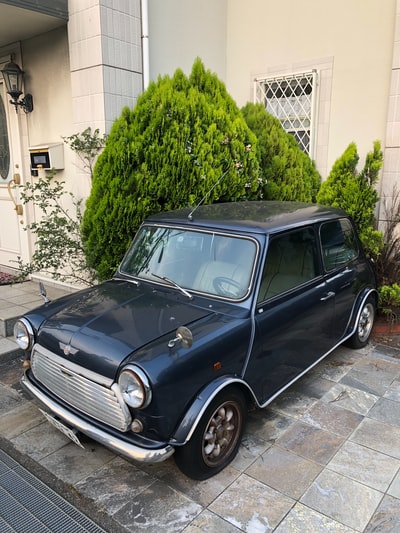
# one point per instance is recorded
(391, 170)
(349, 42)
(83, 73)
(181, 30)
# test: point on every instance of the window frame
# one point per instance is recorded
(278, 95)
(302, 282)
(348, 255)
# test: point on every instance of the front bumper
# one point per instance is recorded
(133, 451)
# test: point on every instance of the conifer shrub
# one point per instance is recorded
(355, 192)
(288, 172)
(170, 151)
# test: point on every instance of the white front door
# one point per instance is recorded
(13, 238)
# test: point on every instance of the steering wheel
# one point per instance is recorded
(219, 283)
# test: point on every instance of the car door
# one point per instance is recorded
(294, 313)
(340, 250)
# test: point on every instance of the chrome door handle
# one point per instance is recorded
(328, 296)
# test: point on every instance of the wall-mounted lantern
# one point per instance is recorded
(13, 76)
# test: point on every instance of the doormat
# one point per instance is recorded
(8, 279)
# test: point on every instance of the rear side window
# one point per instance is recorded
(339, 243)
(291, 261)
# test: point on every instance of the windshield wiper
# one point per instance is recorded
(174, 284)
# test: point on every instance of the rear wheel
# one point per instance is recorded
(216, 439)
(364, 324)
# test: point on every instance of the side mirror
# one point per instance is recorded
(43, 293)
(183, 335)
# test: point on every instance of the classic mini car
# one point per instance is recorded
(211, 312)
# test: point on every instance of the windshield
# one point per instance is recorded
(216, 264)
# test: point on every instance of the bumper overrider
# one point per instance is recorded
(155, 453)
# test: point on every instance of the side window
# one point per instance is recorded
(291, 261)
(339, 243)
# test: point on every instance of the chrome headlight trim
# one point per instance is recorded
(135, 387)
(24, 334)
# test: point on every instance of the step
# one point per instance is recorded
(16, 300)
(9, 349)
(20, 298)
(7, 326)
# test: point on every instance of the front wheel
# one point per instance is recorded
(216, 439)
(364, 324)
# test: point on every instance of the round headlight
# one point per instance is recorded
(135, 387)
(23, 334)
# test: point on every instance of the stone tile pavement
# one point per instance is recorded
(323, 457)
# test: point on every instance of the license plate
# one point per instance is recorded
(70, 433)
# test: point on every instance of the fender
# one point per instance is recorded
(203, 399)
(358, 306)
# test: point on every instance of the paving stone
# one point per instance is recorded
(386, 411)
(10, 399)
(313, 386)
(367, 466)
(284, 471)
(251, 505)
(72, 463)
(114, 485)
(342, 499)
(267, 424)
(40, 441)
(378, 436)
(387, 517)
(373, 375)
(203, 492)
(19, 420)
(332, 417)
(394, 489)
(393, 392)
(207, 522)
(293, 403)
(300, 515)
(250, 449)
(158, 508)
(350, 398)
(161, 470)
(310, 442)
(11, 372)
(7, 345)
(337, 364)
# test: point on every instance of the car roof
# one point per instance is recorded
(257, 216)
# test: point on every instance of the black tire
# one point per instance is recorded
(364, 326)
(217, 437)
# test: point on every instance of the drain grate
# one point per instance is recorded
(27, 504)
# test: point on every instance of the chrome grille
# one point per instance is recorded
(96, 400)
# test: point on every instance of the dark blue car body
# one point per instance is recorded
(196, 351)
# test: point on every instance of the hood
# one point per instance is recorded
(101, 326)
